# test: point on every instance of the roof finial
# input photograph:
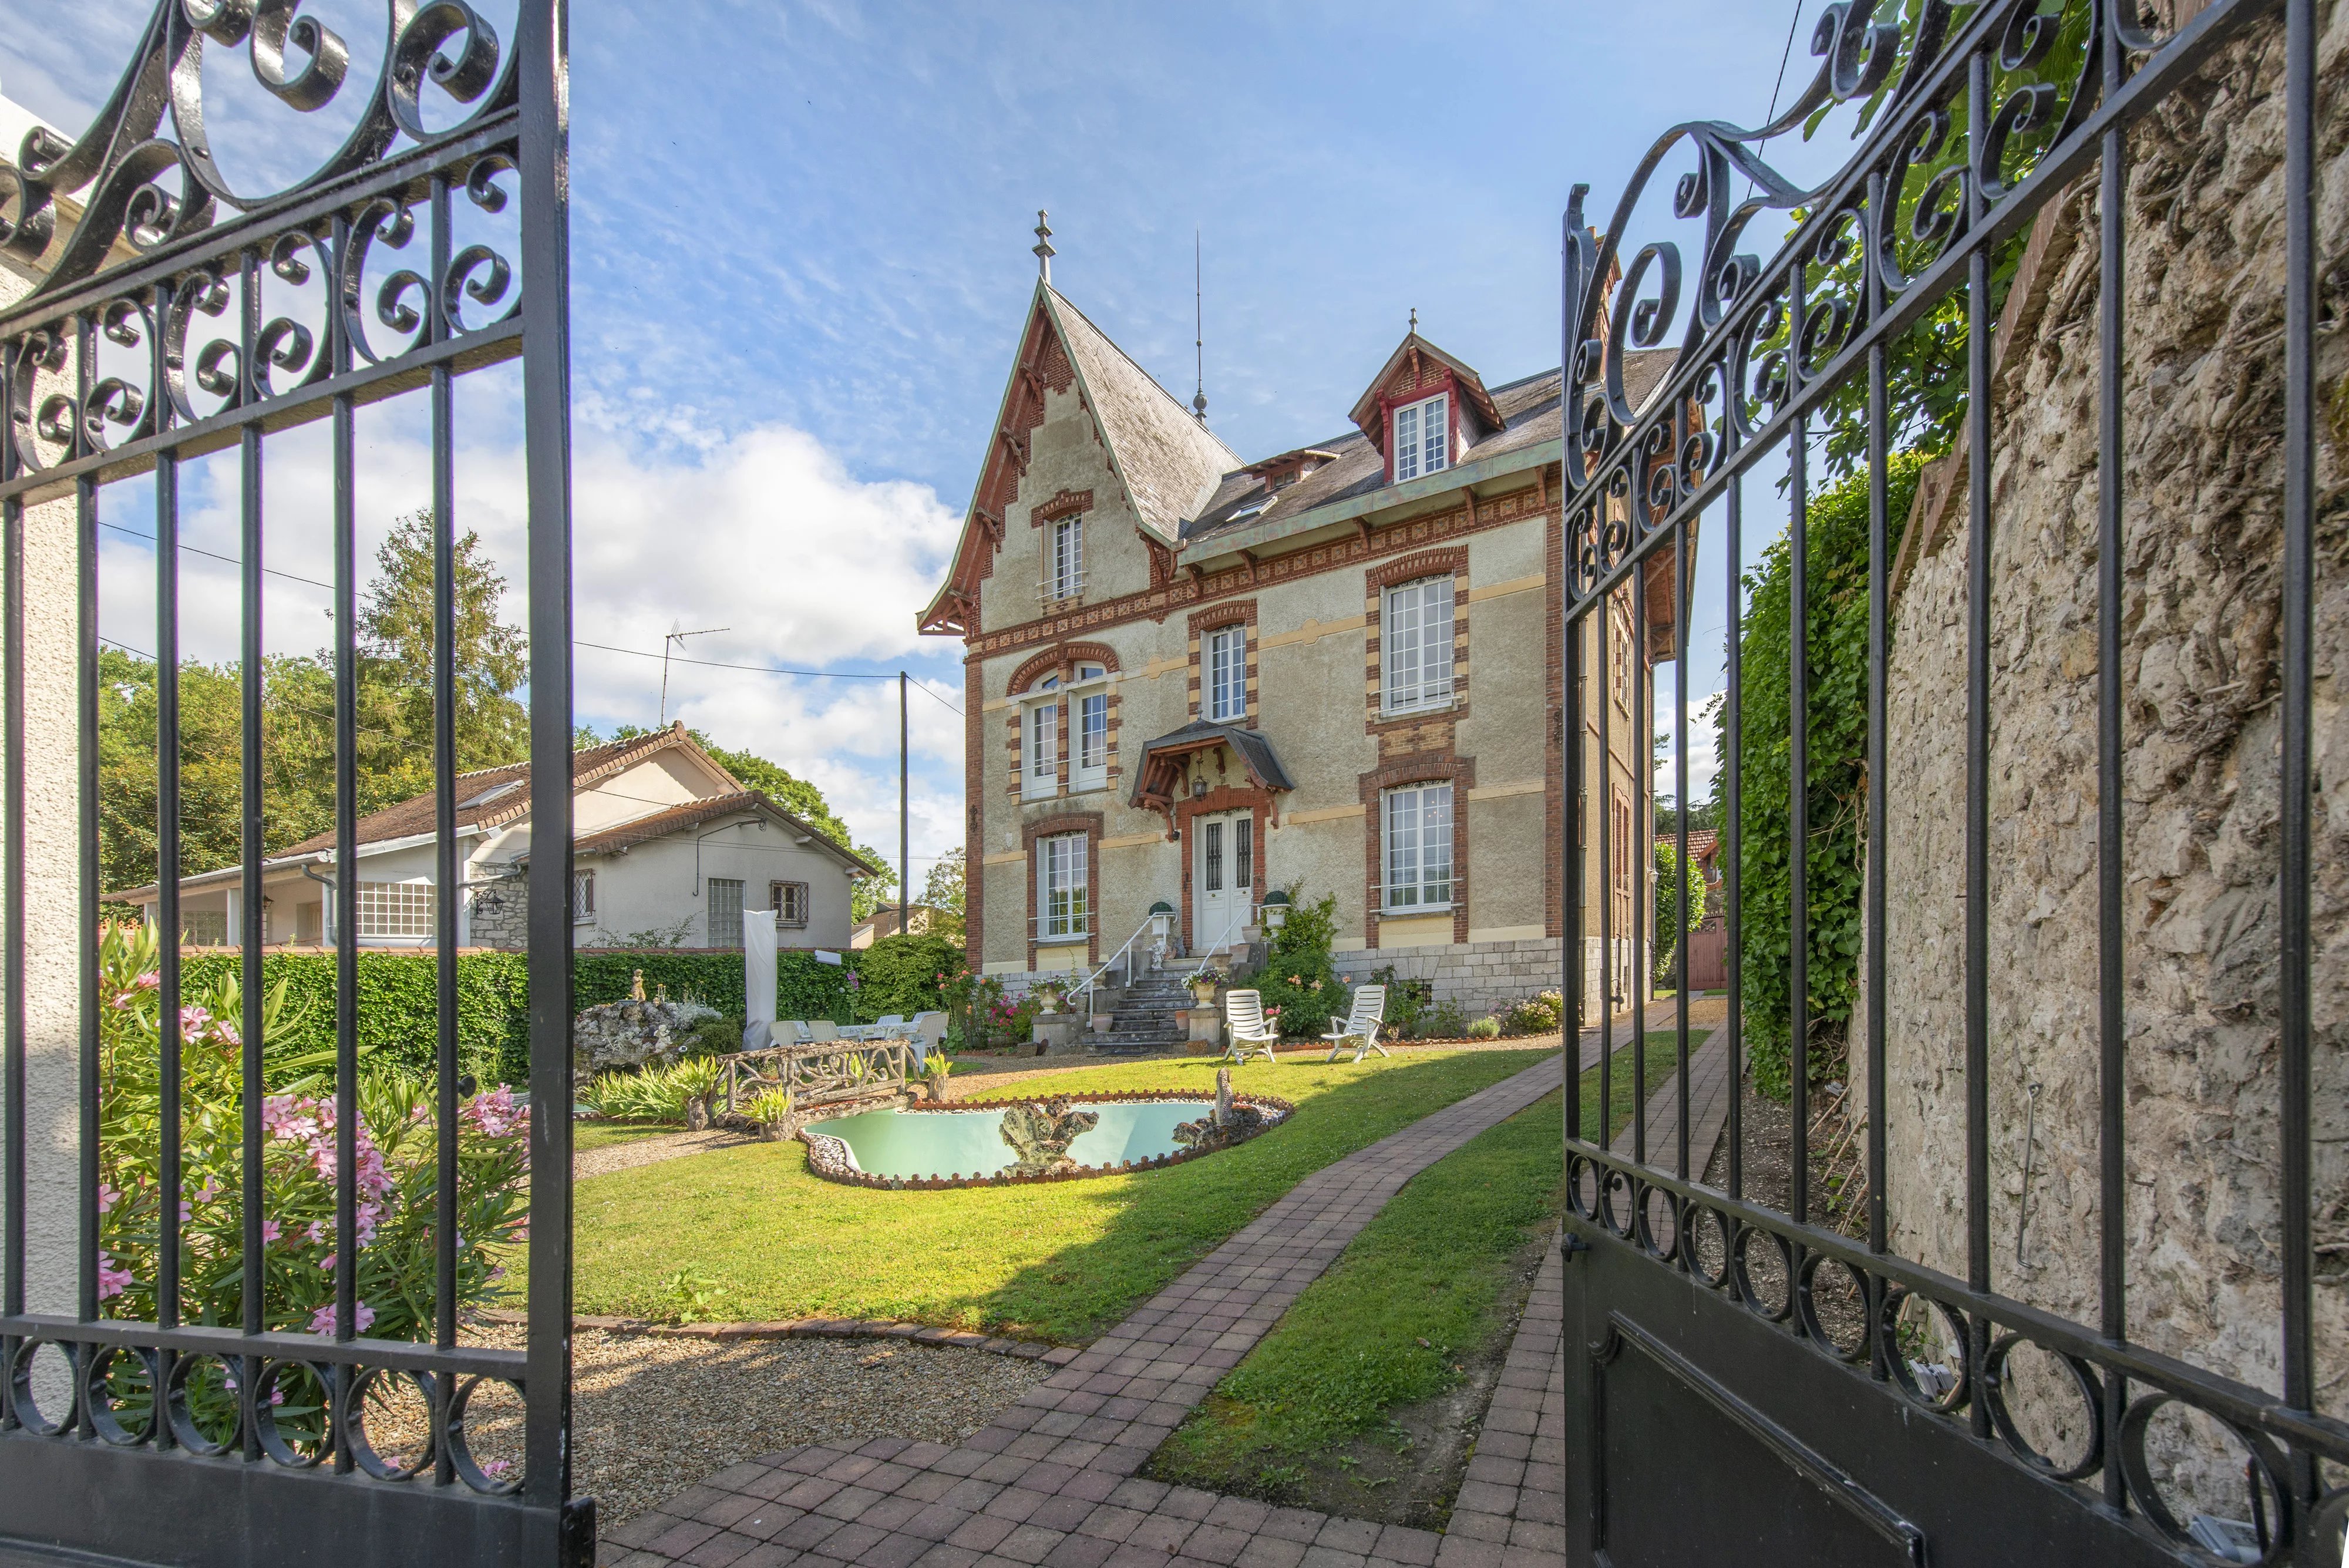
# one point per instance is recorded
(1198, 334)
(1414, 319)
(1043, 247)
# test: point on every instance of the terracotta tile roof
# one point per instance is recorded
(693, 813)
(492, 797)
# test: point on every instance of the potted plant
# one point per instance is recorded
(699, 1077)
(934, 1077)
(1202, 988)
(771, 1109)
(1050, 996)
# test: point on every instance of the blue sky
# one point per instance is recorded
(800, 239)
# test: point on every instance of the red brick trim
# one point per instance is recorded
(1258, 803)
(1375, 584)
(974, 812)
(1554, 780)
(1187, 591)
(1088, 823)
(1425, 767)
(1067, 502)
(1240, 612)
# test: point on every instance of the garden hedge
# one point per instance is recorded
(397, 991)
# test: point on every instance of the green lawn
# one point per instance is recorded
(1435, 1281)
(1062, 1261)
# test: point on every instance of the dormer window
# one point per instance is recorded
(1423, 442)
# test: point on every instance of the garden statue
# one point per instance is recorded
(637, 986)
(1040, 1134)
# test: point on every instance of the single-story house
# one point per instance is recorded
(669, 850)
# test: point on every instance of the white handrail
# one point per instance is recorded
(1247, 913)
(1086, 984)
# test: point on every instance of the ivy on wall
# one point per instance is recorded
(399, 992)
(1836, 798)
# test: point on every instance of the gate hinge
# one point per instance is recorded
(1569, 1243)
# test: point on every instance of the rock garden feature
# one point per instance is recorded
(1040, 1134)
(633, 1032)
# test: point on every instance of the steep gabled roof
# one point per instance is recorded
(1409, 352)
(1169, 459)
(694, 813)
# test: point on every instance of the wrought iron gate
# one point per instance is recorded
(1713, 1414)
(151, 336)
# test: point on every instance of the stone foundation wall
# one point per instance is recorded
(2203, 423)
(1480, 976)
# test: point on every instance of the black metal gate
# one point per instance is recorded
(1714, 1412)
(151, 336)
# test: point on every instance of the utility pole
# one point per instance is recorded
(905, 834)
(668, 644)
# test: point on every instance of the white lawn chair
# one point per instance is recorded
(790, 1032)
(1244, 1020)
(820, 1030)
(1361, 1026)
(928, 1031)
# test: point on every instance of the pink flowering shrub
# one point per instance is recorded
(395, 1161)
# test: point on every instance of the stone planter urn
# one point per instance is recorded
(1203, 991)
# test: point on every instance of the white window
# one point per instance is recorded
(725, 912)
(1418, 830)
(1226, 659)
(790, 902)
(1092, 740)
(1061, 891)
(583, 898)
(394, 911)
(1415, 646)
(1422, 438)
(1064, 559)
(1040, 774)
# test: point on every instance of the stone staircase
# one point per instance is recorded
(1149, 1017)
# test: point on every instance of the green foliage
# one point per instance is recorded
(907, 975)
(1407, 1001)
(769, 1106)
(1485, 1029)
(397, 1003)
(943, 890)
(657, 1093)
(1444, 1021)
(394, 1170)
(1668, 899)
(1837, 726)
(1298, 976)
(1540, 1013)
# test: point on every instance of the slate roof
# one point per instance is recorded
(1254, 750)
(1170, 461)
(1529, 414)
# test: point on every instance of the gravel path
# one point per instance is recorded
(651, 1150)
(652, 1415)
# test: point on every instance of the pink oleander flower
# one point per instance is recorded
(326, 1320)
(269, 1232)
(111, 1281)
(146, 982)
(204, 1194)
(327, 1263)
(108, 1197)
(317, 1230)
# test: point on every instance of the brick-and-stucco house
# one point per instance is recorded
(668, 848)
(1194, 678)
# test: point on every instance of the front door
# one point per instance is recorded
(1223, 875)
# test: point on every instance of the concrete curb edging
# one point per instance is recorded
(817, 1328)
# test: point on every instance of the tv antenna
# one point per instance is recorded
(669, 645)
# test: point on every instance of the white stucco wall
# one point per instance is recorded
(654, 886)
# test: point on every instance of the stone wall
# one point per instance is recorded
(2203, 426)
(1482, 977)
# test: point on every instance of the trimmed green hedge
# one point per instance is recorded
(398, 993)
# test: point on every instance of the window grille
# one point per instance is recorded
(204, 928)
(1227, 674)
(394, 911)
(582, 897)
(1415, 646)
(1244, 854)
(1419, 848)
(1061, 874)
(725, 912)
(790, 902)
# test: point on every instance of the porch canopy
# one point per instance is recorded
(1174, 765)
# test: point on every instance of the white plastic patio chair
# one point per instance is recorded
(927, 1031)
(1362, 1025)
(1244, 1022)
(820, 1030)
(790, 1032)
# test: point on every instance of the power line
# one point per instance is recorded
(767, 668)
(214, 555)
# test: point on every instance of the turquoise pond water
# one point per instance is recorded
(913, 1144)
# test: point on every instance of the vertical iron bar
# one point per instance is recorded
(2111, 1132)
(1732, 795)
(448, 872)
(2293, 1000)
(345, 891)
(253, 843)
(1574, 819)
(1606, 704)
(1642, 858)
(1799, 812)
(1681, 545)
(86, 751)
(1977, 938)
(541, 42)
(167, 895)
(1880, 564)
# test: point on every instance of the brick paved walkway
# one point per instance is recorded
(1052, 1480)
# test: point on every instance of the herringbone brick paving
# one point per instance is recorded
(1052, 1480)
